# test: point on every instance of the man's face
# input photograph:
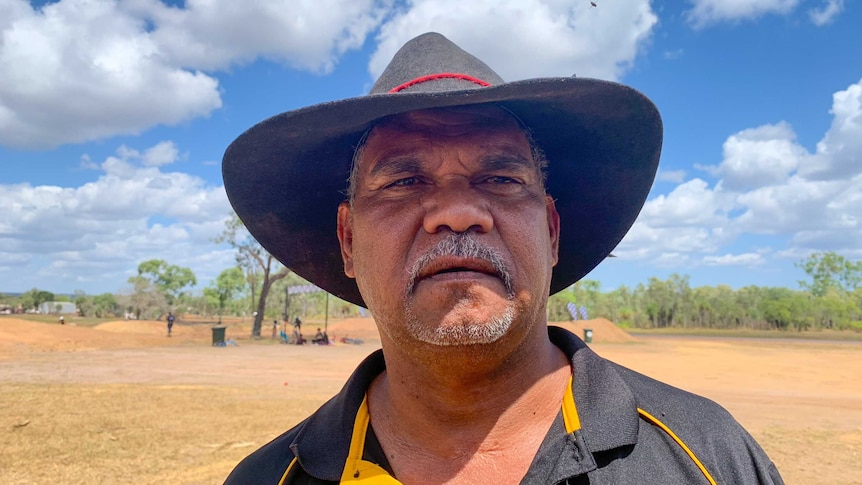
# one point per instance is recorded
(450, 235)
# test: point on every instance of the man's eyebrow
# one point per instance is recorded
(406, 164)
(496, 162)
(395, 165)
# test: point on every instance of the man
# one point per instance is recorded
(469, 201)
(170, 322)
(319, 338)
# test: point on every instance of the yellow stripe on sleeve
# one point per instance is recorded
(652, 419)
(287, 472)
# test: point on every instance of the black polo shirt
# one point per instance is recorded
(634, 429)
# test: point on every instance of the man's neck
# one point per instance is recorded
(471, 411)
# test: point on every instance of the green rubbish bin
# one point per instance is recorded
(218, 336)
(588, 335)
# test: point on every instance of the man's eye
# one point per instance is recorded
(500, 179)
(405, 182)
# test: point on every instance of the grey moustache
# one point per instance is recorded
(461, 245)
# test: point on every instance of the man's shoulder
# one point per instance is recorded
(658, 396)
(609, 382)
(268, 463)
(709, 430)
(624, 406)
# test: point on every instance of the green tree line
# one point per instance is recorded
(258, 287)
(830, 299)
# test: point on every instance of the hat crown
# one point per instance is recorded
(285, 176)
(431, 63)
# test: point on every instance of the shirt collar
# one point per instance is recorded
(322, 444)
(606, 407)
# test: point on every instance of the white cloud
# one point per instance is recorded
(83, 236)
(839, 153)
(826, 13)
(214, 34)
(542, 38)
(86, 163)
(745, 259)
(76, 71)
(161, 154)
(655, 237)
(797, 205)
(769, 185)
(690, 203)
(760, 156)
(706, 12)
(676, 176)
(79, 70)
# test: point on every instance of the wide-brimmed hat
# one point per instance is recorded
(286, 176)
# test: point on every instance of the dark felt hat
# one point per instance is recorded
(286, 175)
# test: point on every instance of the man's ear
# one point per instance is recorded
(553, 227)
(345, 237)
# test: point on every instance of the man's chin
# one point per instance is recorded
(457, 328)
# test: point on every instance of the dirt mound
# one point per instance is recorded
(133, 326)
(18, 335)
(604, 331)
(150, 327)
(361, 328)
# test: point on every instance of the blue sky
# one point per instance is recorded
(114, 116)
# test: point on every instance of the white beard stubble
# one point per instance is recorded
(468, 332)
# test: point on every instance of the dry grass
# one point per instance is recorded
(148, 409)
(116, 433)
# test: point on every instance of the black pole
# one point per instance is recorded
(326, 317)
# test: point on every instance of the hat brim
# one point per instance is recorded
(286, 176)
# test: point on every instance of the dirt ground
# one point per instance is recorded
(123, 402)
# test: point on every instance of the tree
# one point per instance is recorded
(144, 298)
(83, 303)
(168, 278)
(258, 264)
(829, 270)
(749, 298)
(666, 301)
(104, 305)
(96, 306)
(586, 293)
(34, 298)
(227, 284)
(785, 309)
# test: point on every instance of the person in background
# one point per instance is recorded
(319, 338)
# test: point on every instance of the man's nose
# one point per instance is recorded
(457, 208)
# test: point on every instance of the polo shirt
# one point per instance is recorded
(631, 429)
